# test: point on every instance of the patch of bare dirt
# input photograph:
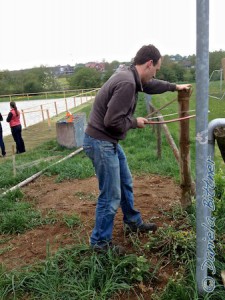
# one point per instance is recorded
(153, 194)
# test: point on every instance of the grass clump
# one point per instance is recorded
(72, 221)
(79, 167)
(16, 216)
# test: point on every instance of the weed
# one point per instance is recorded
(134, 239)
(51, 217)
(5, 240)
(80, 195)
(5, 249)
(85, 196)
(72, 220)
(177, 245)
(141, 270)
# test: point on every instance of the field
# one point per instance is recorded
(45, 226)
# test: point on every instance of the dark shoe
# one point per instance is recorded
(117, 249)
(143, 228)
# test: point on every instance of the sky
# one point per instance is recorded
(60, 32)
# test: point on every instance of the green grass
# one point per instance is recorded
(17, 216)
(63, 82)
(77, 273)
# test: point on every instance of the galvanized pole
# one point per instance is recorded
(202, 91)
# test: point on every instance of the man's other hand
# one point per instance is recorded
(181, 87)
(141, 122)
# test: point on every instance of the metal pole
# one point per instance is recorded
(202, 91)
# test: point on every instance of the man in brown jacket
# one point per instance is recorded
(110, 119)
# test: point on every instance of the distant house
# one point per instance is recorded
(66, 70)
(63, 70)
(97, 66)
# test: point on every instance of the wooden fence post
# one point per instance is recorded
(24, 121)
(153, 115)
(42, 112)
(56, 110)
(159, 141)
(169, 137)
(14, 161)
(49, 119)
(223, 65)
(185, 169)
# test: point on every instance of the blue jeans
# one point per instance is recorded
(2, 145)
(115, 186)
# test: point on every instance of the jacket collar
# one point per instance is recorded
(139, 87)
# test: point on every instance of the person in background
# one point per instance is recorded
(16, 128)
(111, 117)
(2, 145)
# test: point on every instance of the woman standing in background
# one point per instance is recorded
(16, 128)
(2, 145)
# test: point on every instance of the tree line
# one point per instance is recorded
(41, 79)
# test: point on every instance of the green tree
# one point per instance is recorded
(28, 81)
(11, 83)
(179, 70)
(192, 59)
(107, 75)
(215, 60)
(167, 73)
(112, 66)
(85, 78)
(40, 79)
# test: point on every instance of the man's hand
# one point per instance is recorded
(141, 122)
(180, 87)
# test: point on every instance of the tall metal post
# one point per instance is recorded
(202, 91)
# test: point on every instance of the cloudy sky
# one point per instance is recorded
(52, 32)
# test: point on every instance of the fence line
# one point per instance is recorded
(41, 112)
(63, 92)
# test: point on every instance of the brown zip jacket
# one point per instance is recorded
(112, 112)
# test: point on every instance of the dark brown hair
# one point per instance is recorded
(13, 105)
(146, 53)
